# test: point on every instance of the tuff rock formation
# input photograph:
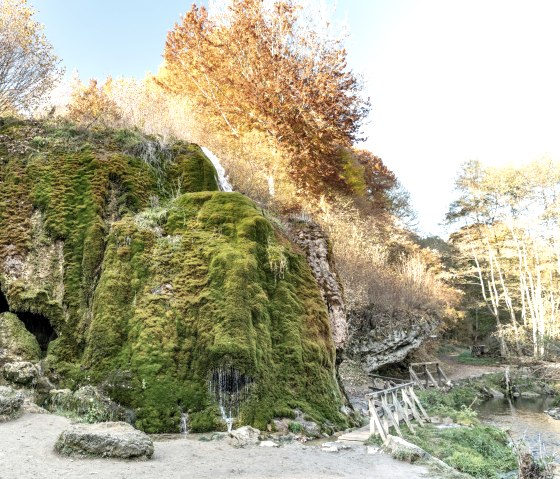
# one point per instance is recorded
(132, 272)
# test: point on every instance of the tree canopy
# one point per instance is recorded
(260, 66)
(28, 66)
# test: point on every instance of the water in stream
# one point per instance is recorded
(525, 419)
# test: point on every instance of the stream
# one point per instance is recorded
(525, 419)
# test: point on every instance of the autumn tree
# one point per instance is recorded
(92, 105)
(260, 66)
(28, 66)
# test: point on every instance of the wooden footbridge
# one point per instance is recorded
(393, 401)
(391, 405)
(424, 375)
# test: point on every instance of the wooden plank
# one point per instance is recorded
(411, 404)
(419, 404)
(444, 375)
(429, 376)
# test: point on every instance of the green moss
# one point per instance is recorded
(206, 297)
(16, 340)
(165, 279)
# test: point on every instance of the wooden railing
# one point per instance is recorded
(422, 377)
(389, 407)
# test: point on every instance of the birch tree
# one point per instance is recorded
(29, 68)
(510, 233)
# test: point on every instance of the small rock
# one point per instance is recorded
(281, 425)
(268, 444)
(10, 403)
(332, 448)
(33, 408)
(21, 372)
(109, 439)
(495, 393)
(373, 449)
(244, 436)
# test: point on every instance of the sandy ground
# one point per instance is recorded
(26, 451)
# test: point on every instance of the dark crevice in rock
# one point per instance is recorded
(40, 327)
(4, 308)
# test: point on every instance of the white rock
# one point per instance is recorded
(268, 444)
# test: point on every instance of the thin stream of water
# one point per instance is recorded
(222, 179)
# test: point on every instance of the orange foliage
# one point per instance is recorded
(258, 68)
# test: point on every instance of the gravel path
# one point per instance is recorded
(26, 451)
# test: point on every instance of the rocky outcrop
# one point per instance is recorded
(10, 403)
(109, 439)
(311, 238)
(381, 338)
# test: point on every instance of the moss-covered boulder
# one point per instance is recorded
(170, 295)
(16, 343)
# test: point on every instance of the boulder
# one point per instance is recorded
(16, 343)
(21, 372)
(404, 450)
(10, 403)
(244, 436)
(109, 439)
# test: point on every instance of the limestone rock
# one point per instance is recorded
(329, 447)
(109, 439)
(88, 401)
(244, 436)
(315, 243)
(10, 403)
(380, 338)
(21, 372)
(269, 444)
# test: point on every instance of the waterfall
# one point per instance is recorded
(223, 182)
(184, 423)
(229, 388)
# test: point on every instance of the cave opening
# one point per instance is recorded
(36, 324)
(4, 308)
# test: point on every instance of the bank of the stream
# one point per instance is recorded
(26, 446)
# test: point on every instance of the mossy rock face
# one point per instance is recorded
(16, 343)
(156, 283)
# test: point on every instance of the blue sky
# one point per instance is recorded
(449, 80)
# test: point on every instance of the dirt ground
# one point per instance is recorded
(26, 451)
